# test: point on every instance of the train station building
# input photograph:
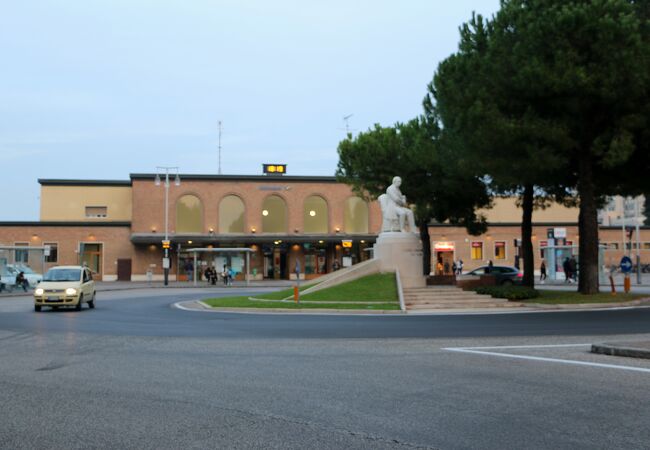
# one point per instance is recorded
(315, 223)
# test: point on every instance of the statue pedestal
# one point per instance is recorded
(402, 251)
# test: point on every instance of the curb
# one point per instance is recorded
(618, 350)
(580, 306)
(199, 306)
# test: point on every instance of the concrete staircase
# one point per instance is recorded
(450, 297)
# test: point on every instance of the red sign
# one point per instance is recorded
(500, 244)
(543, 243)
(477, 244)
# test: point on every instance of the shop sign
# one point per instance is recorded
(444, 246)
(477, 244)
(346, 243)
(559, 233)
(543, 243)
(499, 244)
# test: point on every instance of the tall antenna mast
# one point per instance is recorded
(346, 119)
(219, 124)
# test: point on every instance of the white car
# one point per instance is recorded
(32, 277)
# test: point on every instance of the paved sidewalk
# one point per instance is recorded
(126, 285)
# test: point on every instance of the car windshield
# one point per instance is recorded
(26, 269)
(62, 275)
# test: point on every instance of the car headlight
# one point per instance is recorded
(39, 291)
(71, 291)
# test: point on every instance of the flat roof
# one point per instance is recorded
(62, 182)
(269, 178)
(63, 224)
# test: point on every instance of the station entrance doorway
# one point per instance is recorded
(443, 258)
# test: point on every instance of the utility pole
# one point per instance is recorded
(638, 241)
(166, 243)
(219, 124)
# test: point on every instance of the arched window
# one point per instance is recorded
(355, 215)
(231, 215)
(315, 215)
(274, 215)
(189, 215)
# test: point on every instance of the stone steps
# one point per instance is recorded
(451, 297)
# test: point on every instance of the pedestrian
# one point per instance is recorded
(224, 275)
(573, 267)
(439, 267)
(208, 274)
(336, 265)
(189, 269)
(460, 267)
(566, 266)
(454, 268)
(489, 267)
(542, 272)
(22, 281)
(213, 276)
(229, 276)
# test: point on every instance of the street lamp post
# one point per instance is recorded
(166, 244)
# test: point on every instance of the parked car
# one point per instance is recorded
(32, 277)
(7, 279)
(505, 275)
(65, 286)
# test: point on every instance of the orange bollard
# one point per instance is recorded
(626, 284)
(611, 282)
(296, 294)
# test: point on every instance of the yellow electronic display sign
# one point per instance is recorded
(346, 243)
(166, 244)
(275, 168)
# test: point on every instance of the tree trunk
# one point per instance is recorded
(426, 247)
(527, 235)
(588, 229)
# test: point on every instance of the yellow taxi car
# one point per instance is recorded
(65, 286)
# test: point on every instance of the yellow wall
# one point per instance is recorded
(68, 203)
(505, 210)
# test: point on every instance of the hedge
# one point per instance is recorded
(508, 292)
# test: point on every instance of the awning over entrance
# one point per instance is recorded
(198, 239)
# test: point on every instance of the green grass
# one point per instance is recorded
(371, 288)
(244, 302)
(563, 297)
(379, 288)
(284, 293)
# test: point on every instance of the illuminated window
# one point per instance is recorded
(315, 215)
(355, 215)
(477, 250)
(274, 215)
(499, 250)
(189, 215)
(231, 215)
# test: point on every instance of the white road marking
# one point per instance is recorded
(482, 351)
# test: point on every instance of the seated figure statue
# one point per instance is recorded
(395, 210)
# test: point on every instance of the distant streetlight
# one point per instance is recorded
(177, 182)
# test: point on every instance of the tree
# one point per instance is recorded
(432, 181)
(493, 127)
(566, 82)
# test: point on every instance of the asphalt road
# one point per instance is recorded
(137, 373)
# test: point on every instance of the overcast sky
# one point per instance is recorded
(101, 89)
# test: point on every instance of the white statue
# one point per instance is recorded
(395, 210)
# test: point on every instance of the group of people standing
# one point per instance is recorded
(210, 273)
(456, 267)
(569, 266)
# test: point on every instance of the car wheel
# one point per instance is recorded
(80, 303)
(91, 303)
(37, 308)
(507, 283)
